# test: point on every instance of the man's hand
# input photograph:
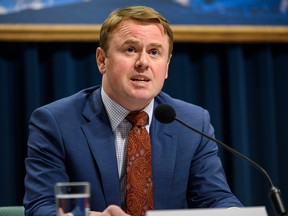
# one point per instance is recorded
(111, 210)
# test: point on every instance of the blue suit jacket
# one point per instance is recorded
(72, 140)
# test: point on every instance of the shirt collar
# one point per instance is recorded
(117, 113)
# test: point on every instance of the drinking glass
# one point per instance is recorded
(72, 198)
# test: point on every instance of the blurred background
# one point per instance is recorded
(244, 85)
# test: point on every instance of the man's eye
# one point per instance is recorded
(130, 49)
(154, 52)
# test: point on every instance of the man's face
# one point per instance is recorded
(136, 64)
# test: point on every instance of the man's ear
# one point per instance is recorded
(100, 59)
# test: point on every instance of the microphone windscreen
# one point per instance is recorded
(164, 113)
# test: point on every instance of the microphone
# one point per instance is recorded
(166, 114)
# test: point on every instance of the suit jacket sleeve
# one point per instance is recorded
(44, 164)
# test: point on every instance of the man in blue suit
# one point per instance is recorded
(83, 137)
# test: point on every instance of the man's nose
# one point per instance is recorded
(142, 61)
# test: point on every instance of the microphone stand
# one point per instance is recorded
(274, 194)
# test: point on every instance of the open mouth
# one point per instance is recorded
(140, 79)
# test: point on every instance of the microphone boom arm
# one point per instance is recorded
(275, 195)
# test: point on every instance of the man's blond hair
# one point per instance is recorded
(140, 13)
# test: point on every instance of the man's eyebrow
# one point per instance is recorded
(157, 45)
(131, 41)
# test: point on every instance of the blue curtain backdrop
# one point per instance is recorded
(244, 86)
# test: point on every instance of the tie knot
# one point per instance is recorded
(137, 118)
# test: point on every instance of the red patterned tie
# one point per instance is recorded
(139, 187)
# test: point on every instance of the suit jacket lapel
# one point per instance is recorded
(164, 150)
(101, 141)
